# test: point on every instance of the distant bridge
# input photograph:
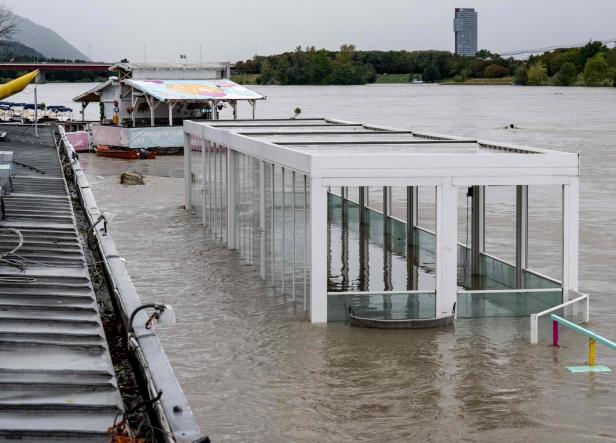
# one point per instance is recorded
(53, 66)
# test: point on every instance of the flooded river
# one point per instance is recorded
(254, 369)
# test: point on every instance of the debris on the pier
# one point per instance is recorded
(131, 177)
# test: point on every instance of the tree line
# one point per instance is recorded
(591, 65)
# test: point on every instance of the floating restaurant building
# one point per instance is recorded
(310, 203)
(143, 105)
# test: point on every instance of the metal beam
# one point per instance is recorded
(318, 260)
(187, 171)
(446, 248)
(521, 234)
(232, 184)
(412, 201)
(262, 217)
(570, 231)
(363, 205)
(477, 227)
(387, 212)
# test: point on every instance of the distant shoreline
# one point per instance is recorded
(383, 79)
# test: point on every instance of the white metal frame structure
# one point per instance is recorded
(329, 154)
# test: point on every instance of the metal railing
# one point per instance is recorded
(171, 409)
(432, 292)
(592, 340)
(506, 291)
(534, 318)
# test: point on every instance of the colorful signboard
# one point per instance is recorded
(194, 90)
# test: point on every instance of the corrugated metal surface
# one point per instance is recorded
(56, 375)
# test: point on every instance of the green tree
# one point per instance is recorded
(567, 74)
(595, 71)
(267, 73)
(521, 75)
(431, 74)
(494, 71)
(587, 52)
(345, 55)
(320, 68)
(485, 54)
(537, 75)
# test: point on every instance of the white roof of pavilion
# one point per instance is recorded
(352, 154)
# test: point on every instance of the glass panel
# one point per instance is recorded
(391, 306)
(268, 228)
(506, 304)
(196, 168)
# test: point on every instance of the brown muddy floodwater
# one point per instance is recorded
(254, 369)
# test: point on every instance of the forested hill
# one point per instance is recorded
(45, 41)
(18, 52)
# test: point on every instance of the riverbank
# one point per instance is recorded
(252, 79)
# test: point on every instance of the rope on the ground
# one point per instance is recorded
(20, 242)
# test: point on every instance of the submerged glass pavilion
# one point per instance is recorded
(313, 204)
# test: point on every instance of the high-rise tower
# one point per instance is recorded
(465, 29)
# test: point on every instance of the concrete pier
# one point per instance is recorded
(56, 375)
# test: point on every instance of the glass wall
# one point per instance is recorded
(198, 188)
(270, 229)
(271, 213)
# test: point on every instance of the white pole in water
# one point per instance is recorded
(35, 113)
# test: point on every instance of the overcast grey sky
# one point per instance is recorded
(232, 30)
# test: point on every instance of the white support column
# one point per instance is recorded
(521, 234)
(273, 230)
(412, 201)
(283, 242)
(262, 217)
(221, 183)
(318, 246)
(171, 106)
(133, 104)
(151, 101)
(305, 199)
(294, 232)
(571, 207)
(187, 171)
(446, 248)
(234, 106)
(387, 210)
(203, 176)
(478, 236)
(210, 186)
(231, 204)
(363, 205)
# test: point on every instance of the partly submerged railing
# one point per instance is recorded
(500, 273)
(394, 305)
(534, 318)
(593, 338)
(477, 303)
(421, 304)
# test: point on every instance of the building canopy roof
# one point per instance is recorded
(194, 90)
(92, 95)
(130, 67)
